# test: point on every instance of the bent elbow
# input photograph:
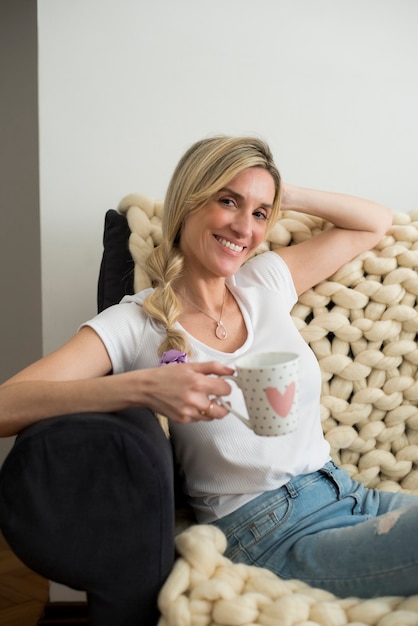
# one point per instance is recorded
(384, 223)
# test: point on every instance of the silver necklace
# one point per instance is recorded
(220, 330)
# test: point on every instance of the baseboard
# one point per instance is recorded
(68, 613)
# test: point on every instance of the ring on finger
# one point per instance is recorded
(206, 412)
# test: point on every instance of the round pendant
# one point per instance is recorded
(220, 331)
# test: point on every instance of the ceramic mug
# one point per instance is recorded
(269, 382)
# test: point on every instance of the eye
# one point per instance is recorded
(229, 202)
(260, 214)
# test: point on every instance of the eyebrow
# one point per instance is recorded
(265, 205)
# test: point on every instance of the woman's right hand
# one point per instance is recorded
(185, 392)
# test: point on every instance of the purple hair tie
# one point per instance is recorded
(173, 356)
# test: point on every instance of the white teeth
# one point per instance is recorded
(230, 245)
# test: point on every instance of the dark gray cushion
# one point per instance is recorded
(117, 266)
(87, 500)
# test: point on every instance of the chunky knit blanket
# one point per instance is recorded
(207, 589)
(362, 325)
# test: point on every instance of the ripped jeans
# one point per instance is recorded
(331, 532)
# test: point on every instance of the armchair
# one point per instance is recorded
(89, 500)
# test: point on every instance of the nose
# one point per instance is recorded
(241, 224)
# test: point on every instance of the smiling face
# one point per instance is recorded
(225, 232)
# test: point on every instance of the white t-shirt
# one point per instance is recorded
(224, 463)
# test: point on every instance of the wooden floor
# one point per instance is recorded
(23, 594)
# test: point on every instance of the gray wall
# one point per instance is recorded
(20, 265)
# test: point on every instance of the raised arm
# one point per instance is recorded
(358, 224)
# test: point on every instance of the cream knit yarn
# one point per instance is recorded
(362, 325)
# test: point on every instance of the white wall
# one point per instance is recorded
(127, 85)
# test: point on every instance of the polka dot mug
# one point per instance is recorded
(269, 382)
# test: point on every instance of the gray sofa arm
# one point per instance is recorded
(87, 500)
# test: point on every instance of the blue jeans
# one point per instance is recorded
(331, 532)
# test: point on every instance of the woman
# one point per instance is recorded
(280, 501)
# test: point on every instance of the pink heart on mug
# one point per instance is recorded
(281, 403)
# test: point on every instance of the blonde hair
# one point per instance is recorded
(207, 166)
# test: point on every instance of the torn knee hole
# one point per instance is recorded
(386, 522)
